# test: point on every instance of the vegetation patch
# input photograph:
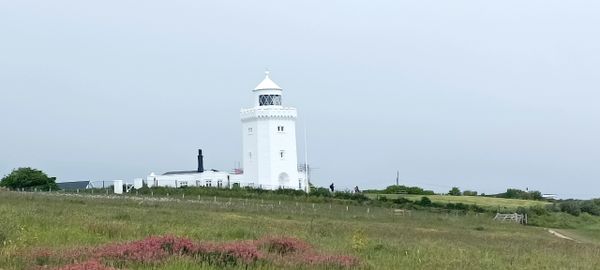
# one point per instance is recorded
(155, 249)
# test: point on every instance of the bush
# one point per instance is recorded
(291, 192)
(454, 192)
(513, 193)
(477, 208)
(457, 206)
(553, 207)
(29, 178)
(419, 191)
(425, 201)
(402, 200)
(395, 189)
(469, 193)
(571, 207)
(320, 192)
(350, 196)
(590, 207)
(538, 210)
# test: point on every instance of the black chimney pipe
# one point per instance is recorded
(200, 161)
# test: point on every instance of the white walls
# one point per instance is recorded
(269, 140)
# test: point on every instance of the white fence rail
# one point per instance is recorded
(517, 218)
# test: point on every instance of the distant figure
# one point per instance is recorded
(332, 187)
(356, 190)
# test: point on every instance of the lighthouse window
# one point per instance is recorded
(250, 131)
(280, 128)
(282, 154)
(265, 100)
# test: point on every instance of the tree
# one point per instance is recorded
(454, 191)
(29, 178)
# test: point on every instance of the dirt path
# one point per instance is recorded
(560, 235)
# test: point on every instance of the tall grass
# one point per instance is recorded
(381, 240)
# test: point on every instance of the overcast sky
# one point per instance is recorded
(483, 95)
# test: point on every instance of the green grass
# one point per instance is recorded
(485, 202)
(422, 240)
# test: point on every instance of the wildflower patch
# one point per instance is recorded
(156, 249)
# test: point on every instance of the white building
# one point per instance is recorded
(270, 159)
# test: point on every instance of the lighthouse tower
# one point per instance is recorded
(269, 140)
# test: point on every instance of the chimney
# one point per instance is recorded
(200, 161)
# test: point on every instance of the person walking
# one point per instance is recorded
(332, 187)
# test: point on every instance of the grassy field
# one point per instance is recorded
(485, 202)
(377, 237)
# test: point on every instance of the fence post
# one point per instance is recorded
(346, 208)
(215, 199)
(183, 195)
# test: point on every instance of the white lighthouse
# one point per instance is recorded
(269, 150)
(269, 140)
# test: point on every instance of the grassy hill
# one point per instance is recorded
(34, 225)
(486, 202)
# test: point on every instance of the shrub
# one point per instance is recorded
(284, 245)
(29, 178)
(570, 207)
(553, 207)
(402, 200)
(394, 189)
(320, 192)
(425, 201)
(290, 192)
(457, 206)
(469, 193)
(513, 193)
(477, 208)
(454, 191)
(590, 207)
(538, 210)
(153, 250)
(350, 196)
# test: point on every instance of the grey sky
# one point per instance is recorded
(477, 94)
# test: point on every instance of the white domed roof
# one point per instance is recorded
(267, 84)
